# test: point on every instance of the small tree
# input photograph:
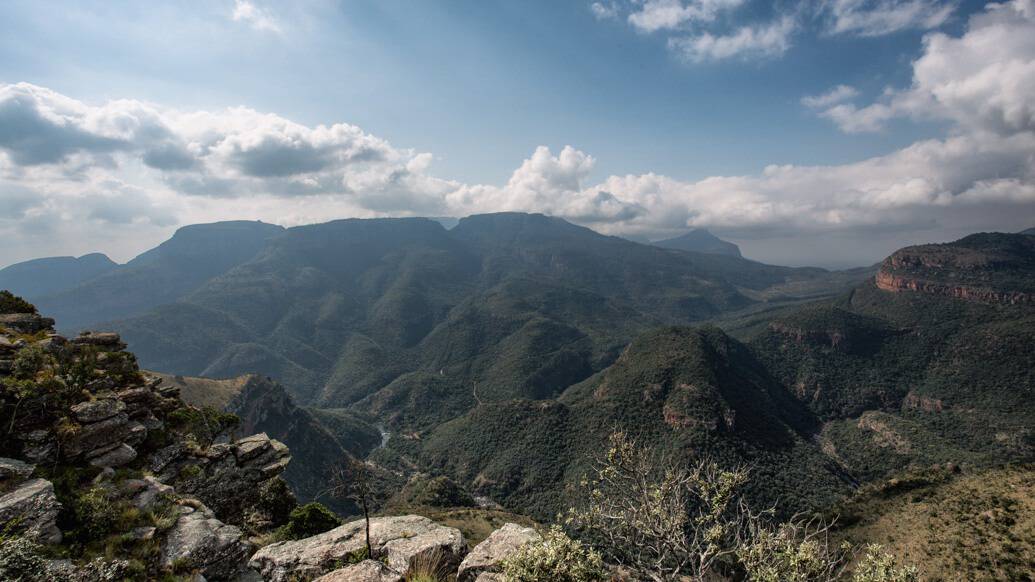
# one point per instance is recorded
(799, 550)
(661, 520)
(353, 481)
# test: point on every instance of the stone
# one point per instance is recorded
(36, 508)
(39, 446)
(98, 435)
(399, 539)
(13, 472)
(252, 446)
(365, 571)
(26, 322)
(198, 541)
(100, 339)
(136, 434)
(486, 556)
(146, 491)
(97, 410)
(115, 457)
(6, 345)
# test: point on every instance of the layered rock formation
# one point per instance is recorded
(980, 267)
(76, 409)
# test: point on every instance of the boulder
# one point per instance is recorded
(35, 508)
(399, 540)
(100, 339)
(26, 322)
(39, 446)
(98, 435)
(97, 410)
(200, 542)
(13, 472)
(486, 556)
(115, 457)
(365, 571)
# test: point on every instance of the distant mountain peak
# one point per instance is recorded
(700, 240)
(1030, 231)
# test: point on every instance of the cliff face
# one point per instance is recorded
(988, 268)
(100, 458)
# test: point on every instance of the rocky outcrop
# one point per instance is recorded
(485, 558)
(896, 283)
(398, 540)
(987, 268)
(30, 509)
(28, 323)
(201, 543)
(226, 476)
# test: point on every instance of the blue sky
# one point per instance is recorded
(480, 85)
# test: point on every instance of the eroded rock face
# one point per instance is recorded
(485, 558)
(34, 506)
(200, 542)
(365, 571)
(400, 540)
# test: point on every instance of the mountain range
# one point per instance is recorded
(700, 240)
(500, 352)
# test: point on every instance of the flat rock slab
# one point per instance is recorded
(365, 571)
(398, 539)
(486, 556)
(13, 471)
(198, 541)
(36, 508)
(97, 410)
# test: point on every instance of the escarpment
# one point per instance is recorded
(986, 268)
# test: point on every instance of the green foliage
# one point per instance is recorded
(96, 513)
(201, 424)
(21, 560)
(437, 492)
(557, 558)
(308, 520)
(794, 551)
(879, 566)
(277, 501)
(11, 303)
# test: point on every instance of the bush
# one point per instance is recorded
(11, 303)
(95, 513)
(309, 520)
(276, 501)
(556, 558)
(21, 560)
(879, 566)
(796, 551)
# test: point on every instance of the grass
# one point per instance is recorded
(971, 526)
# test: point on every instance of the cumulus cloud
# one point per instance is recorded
(654, 15)
(604, 11)
(255, 16)
(983, 80)
(124, 172)
(766, 41)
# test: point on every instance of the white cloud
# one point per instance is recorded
(834, 96)
(881, 17)
(76, 176)
(983, 80)
(604, 11)
(763, 41)
(255, 16)
(655, 15)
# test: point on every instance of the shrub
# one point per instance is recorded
(556, 557)
(309, 520)
(95, 513)
(796, 551)
(20, 560)
(11, 303)
(276, 501)
(879, 566)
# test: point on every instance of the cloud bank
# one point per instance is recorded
(120, 175)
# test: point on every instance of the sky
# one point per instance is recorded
(827, 133)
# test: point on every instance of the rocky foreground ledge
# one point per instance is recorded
(400, 543)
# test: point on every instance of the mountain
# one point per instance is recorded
(700, 240)
(1030, 231)
(930, 363)
(317, 448)
(41, 277)
(194, 255)
(391, 311)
